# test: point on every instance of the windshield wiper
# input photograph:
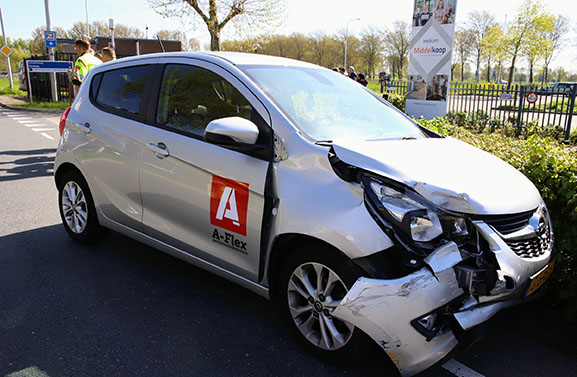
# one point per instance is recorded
(326, 143)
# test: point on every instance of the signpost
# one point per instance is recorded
(6, 50)
(50, 39)
(49, 66)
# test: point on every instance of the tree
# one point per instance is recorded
(526, 31)
(319, 45)
(479, 23)
(300, 45)
(37, 45)
(192, 44)
(397, 45)
(464, 43)
(353, 46)
(555, 37)
(20, 50)
(101, 29)
(217, 14)
(371, 48)
(170, 35)
(492, 45)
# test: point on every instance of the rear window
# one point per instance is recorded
(121, 89)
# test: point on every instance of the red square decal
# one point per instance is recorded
(229, 204)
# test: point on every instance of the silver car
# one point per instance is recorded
(305, 187)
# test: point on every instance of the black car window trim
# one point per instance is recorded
(265, 130)
(141, 116)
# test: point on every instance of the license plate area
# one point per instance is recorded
(540, 278)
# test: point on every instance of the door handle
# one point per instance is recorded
(84, 127)
(158, 149)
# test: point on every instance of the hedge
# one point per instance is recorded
(552, 167)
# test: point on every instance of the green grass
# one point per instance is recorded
(5, 83)
(12, 92)
(46, 105)
(5, 87)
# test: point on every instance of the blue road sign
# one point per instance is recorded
(47, 66)
(50, 39)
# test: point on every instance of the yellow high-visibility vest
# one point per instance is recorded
(84, 63)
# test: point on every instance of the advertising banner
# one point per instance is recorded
(430, 57)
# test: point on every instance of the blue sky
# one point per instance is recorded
(22, 16)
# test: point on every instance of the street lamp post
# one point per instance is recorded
(347, 40)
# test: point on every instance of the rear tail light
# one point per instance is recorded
(63, 120)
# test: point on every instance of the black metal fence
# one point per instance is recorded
(520, 104)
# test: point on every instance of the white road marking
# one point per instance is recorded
(460, 370)
(20, 117)
(43, 129)
(47, 136)
(34, 125)
(26, 121)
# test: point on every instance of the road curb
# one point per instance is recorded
(44, 111)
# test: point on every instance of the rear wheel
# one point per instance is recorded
(77, 208)
(312, 284)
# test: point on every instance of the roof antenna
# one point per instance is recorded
(159, 41)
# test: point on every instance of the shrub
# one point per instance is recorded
(398, 100)
(553, 169)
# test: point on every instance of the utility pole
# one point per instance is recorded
(87, 25)
(8, 67)
(111, 27)
(51, 54)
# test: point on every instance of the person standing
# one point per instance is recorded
(362, 80)
(108, 54)
(352, 74)
(85, 62)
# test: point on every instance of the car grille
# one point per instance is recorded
(527, 248)
(506, 224)
(533, 247)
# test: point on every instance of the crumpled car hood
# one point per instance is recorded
(452, 174)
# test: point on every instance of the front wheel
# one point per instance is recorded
(77, 209)
(312, 284)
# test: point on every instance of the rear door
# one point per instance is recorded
(107, 121)
(199, 197)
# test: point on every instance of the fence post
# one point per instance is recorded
(520, 112)
(570, 112)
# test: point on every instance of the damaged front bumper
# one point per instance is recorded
(415, 318)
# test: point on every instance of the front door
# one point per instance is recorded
(199, 197)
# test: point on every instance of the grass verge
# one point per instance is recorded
(45, 105)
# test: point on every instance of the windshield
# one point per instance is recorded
(326, 105)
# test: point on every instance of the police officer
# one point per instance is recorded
(85, 62)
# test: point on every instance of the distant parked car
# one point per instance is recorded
(563, 88)
(22, 76)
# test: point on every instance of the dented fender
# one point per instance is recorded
(384, 309)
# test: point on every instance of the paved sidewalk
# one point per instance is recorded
(12, 102)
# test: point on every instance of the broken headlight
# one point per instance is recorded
(407, 212)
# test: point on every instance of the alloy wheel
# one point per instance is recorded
(313, 293)
(74, 207)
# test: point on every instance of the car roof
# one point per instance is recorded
(234, 58)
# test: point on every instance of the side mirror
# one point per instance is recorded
(231, 130)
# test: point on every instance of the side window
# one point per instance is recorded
(190, 97)
(122, 89)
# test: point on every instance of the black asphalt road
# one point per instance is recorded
(119, 308)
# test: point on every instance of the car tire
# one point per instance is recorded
(77, 209)
(307, 312)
